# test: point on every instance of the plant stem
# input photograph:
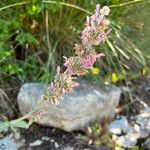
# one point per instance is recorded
(13, 5)
(67, 4)
(126, 3)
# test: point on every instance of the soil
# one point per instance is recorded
(59, 140)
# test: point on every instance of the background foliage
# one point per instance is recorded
(35, 34)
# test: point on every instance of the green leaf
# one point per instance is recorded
(26, 37)
(19, 123)
(3, 126)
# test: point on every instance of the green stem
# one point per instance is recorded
(13, 5)
(67, 4)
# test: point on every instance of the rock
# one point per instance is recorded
(8, 143)
(36, 143)
(114, 137)
(147, 144)
(56, 145)
(140, 132)
(126, 141)
(86, 104)
(68, 148)
(52, 140)
(119, 126)
(143, 120)
(45, 138)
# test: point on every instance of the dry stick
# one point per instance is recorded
(126, 3)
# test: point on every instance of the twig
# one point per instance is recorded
(126, 3)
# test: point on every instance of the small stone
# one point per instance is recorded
(36, 143)
(52, 140)
(114, 137)
(45, 138)
(90, 142)
(141, 132)
(143, 120)
(126, 141)
(68, 148)
(56, 145)
(119, 126)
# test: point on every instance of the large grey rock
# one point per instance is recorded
(87, 103)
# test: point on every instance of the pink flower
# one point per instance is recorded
(85, 35)
(89, 60)
(97, 25)
(69, 65)
(105, 11)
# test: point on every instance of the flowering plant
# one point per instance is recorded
(95, 32)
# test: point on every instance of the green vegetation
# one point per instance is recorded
(36, 34)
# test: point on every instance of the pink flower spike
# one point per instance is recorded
(105, 11)
(97, 11)
(100, 55)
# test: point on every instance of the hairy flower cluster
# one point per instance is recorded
(96, 29)
(94, 33)
(62, 84)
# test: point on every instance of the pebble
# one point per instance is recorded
(68, 148)
(36, 143)
(119, 126)
(52, 140)
(139, 130)
(45, 138)
(56, 145)
(126, 141)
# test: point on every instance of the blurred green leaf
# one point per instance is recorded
(26, 37)
(19, 123)
(3, 126)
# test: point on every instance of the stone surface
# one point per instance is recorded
(139, 130)
(87, 103)
(143, 119)
(8, 143)
(126, 141)
(119, 126)
(36, 143)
